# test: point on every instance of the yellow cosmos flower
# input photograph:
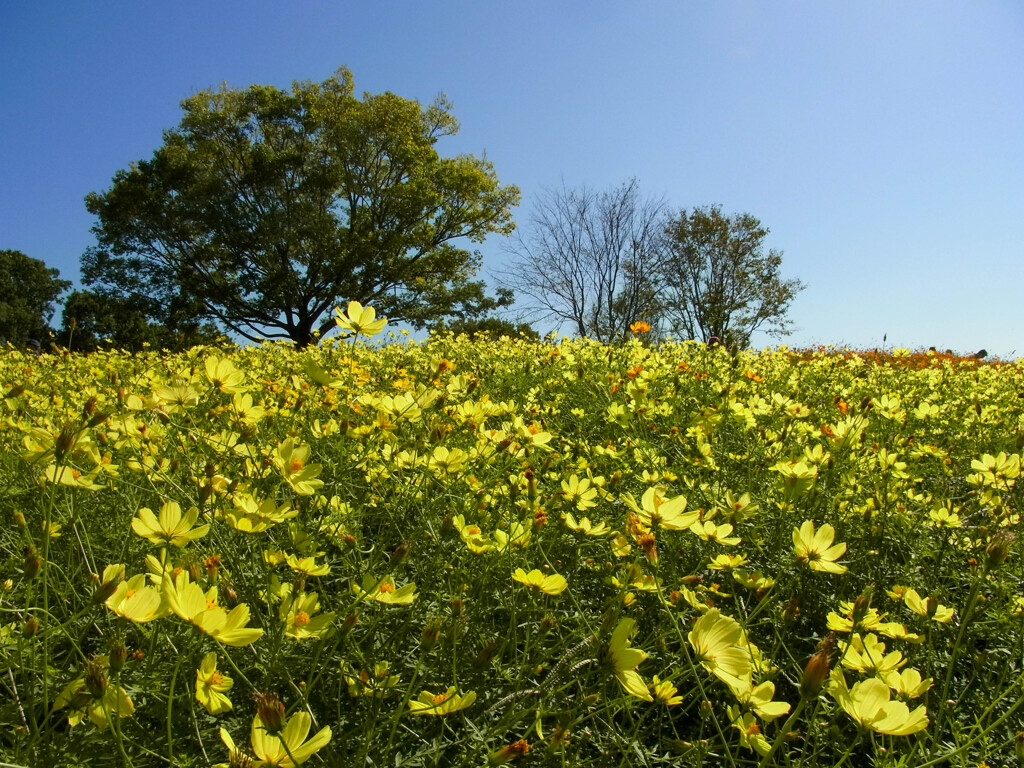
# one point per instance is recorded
(663, 692)
(584, 525)
(307, 566)
(655, 510)
(171, 527)
(472, 536)
(211, 686)
(625, 660)
(299, 617)
(814, 549)
(549, 585)
(135, 601)
(907, 684)
(290, 459)
(384, 591)
(224, 376)
(714, 639)
(359, 320)
(271, 750)
(90, 695)
(868, 654)
(709, 531)
(252, 517)
(750, 732)
(868, 704)
(190, 603)
(580, 493)
(929, 609)
(441, 703)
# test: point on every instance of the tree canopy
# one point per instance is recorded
(718, 281)
(264, 209)
(28, 292)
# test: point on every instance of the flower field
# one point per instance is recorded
(470, 553)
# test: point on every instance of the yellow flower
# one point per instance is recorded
(224, 376)
(907, 683)
(625, 660)
(271, 750)
(640, 326)
(929, 609)
(90, 695)
(291, 460)
(750, 732)
(709, 531)
(383, 591)
(714, 639)
(251, 517)
(359, 320)
(211, 686)
(549, 585)
(868, 704)
(585, 526)
(868, 655)
(726, 562)
(135, 601)
(581, 493)
(814, 550)
(663, 692)
(298, 616)
(190, 603)
(471, 535)
(655, 510)
(441, 703)
(170, 527)
(307, 565)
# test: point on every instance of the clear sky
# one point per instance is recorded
(882, 143)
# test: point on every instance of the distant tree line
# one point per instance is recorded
(264, 209)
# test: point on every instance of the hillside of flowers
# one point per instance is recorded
(456, 552)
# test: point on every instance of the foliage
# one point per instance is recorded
(265, 208)
(130, 323)
(719, 281)
(490, 327)
(28, 291)
(591, 259)
(551, 553)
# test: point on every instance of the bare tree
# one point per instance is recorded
(591, 259)
(718, 280)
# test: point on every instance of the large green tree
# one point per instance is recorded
(718, 281)
(267, 208)
(28, 292)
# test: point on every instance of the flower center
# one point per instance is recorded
(440, 698)
(301, 619)
(385, 587)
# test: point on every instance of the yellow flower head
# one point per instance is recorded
(441, 703)
(625, 660)
(171, 527)
(359, 320)
(211, 686)
(929, 609)
(868, 704)
(814, 549)
(714, 639)
(384, 591)
(549, 585)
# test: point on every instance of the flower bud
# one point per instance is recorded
(402, 551)
(431, 635)
(270, 710)
(998, 549)
(31, 627)
(118, 654)
(817, 668)
(19, 519)
(95, 679)
(931, 605)
(1018, 746)
(33, 562)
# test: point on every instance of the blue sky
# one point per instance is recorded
(882, 143)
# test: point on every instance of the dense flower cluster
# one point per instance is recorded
(439, 549)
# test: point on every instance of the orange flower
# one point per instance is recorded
(640, 326)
